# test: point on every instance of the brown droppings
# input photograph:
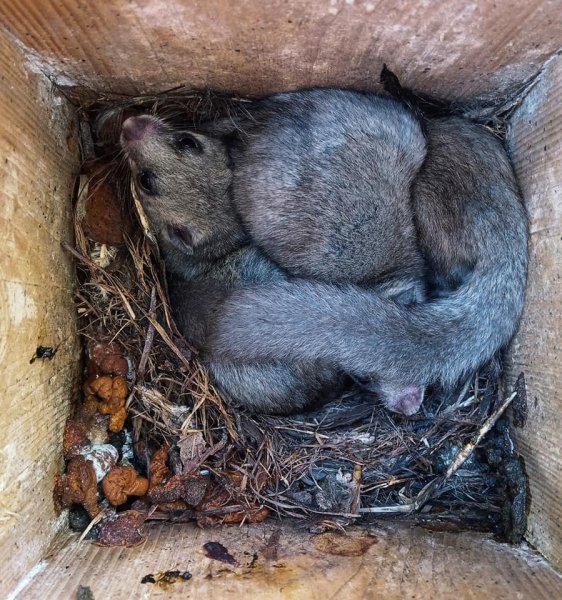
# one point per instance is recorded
(166, 488)
(77, 486)
(112, 392)
(340, 544)
(107, 387)
(122, 482)
(217, 551)
(190, 488)
(75, 438)
(122, 529)
(117, 417)
(105, 358)
(159, 471)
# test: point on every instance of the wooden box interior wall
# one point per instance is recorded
(535, 140)
(457, 48)
(38, 153)
(252, 48)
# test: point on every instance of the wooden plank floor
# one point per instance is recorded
(384, 562)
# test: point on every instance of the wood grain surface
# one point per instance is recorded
(38, 162)
(535, 139)
(456, 48)
(287, 563)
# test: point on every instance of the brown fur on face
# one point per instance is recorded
(188, 204)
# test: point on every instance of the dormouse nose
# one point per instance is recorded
(135, 129)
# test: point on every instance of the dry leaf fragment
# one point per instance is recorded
(191, 445)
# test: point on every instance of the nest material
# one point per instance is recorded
(351, 459)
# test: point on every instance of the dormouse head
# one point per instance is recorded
(182, 179)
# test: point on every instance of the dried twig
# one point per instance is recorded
(149, 335)
(433, 487)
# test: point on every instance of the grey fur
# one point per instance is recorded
(472, 229)
(266, 386)
(192, 197)
(212, 259)
(322, 184)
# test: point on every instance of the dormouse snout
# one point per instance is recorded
(136, 129)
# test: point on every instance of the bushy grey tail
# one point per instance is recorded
(367, 335)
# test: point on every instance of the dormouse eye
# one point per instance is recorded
(147, 182)
(188, 142)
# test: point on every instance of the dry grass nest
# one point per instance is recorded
(453, 464)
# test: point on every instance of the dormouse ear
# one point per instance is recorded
(189, 142)
(182, 238)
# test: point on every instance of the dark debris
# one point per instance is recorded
(167, 578)
(217, 551)
(44, 353)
